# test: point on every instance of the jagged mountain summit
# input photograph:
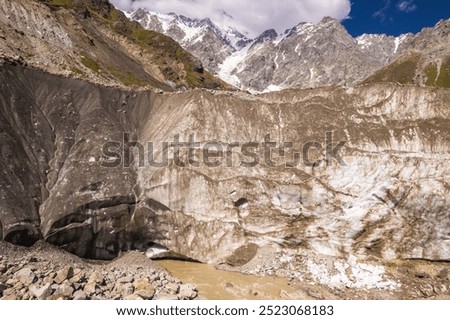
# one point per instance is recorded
(425, 61)
(205, 39)
(307, 55)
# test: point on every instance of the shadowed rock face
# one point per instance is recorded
(390, 200)
(52, 128)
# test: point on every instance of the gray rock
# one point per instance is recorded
(96, 277)
(145, 294)
(65, 290)
(154, 277)
(142, 284)
(9, 292)
(109, 286)
(165, 296)
(26, 276)
(144, 288)
(78, 276)
(48, 280)
(126, 289)
(58, 296)
(171, 288)
(79, 295)
(64, 274)
(26, 296)
(242, 255)
(90, 288)
(128, 279)
(41, 293)
(188, 292)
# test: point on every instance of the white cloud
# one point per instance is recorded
(249, 16)
(382, 12)
(406, 6)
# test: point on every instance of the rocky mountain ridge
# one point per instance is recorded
(425, 61)
(193, 34)
(308, 55)
(92, 40)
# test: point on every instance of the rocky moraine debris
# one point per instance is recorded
(44, 272)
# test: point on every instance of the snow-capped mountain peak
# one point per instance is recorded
(211, 42)
(191, 28)
(306, 55)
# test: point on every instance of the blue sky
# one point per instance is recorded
(395, 17)
(252, 17)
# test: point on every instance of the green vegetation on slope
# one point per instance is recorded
(65, 3)
(128, 78)
(444, 75)
(431, 74)
(77, 71)
(165, 50)
(90, 63)
(176, 64)
(405, 69)
(402, 71)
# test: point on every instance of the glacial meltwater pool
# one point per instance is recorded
(215, 284)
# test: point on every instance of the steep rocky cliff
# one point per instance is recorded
(389, 198)
(92, 40)
(424, 61)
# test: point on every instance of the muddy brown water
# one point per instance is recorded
(216, 284)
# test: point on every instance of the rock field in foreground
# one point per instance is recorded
(47, 273)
